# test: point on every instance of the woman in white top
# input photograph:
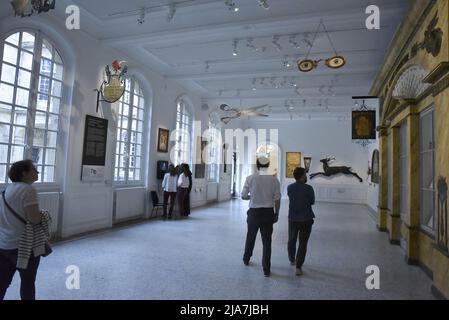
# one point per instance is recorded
(184, 188)
(21, 196)
(170, 186)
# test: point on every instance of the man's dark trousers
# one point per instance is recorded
(263, 219)
(301, 230)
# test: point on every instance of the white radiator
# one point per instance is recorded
(50, 201)
(129, 203)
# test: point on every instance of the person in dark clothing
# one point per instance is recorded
(300, 218)
(184, 189)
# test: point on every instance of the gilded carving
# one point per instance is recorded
(433, 38)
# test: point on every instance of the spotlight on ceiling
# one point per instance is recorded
(231, 6)
(264, 4)
(171, 12)
(141, 18)
(234, 44)
(276, 44)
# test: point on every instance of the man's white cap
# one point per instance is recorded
(263, 160)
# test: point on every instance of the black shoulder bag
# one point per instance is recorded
(48, 248)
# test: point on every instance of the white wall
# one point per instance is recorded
(318, 139)
(89, 206)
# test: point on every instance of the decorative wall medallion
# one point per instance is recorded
(433, 38)
(442, 214)
(336, 62)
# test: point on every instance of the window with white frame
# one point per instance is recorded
(184, 126)
(427, 164)
(213, 155)
(130, 130)
(31, 82)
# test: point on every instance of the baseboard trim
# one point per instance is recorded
(437, 293)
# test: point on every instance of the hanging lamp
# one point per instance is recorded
(335, 62)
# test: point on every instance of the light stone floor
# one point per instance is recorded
(201, 258)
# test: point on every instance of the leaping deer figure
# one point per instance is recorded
(330, 171)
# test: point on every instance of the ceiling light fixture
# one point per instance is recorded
(141, 18)
(39, 6)
(171, 12)
(293, 42)
(231, 6)
(264, 4)
(234, 44)
(276, 44)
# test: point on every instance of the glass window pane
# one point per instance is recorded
(40, 155)
(42, 102)
(3, 153)
(41, 171)
(124, 122)
(126, 97)
(8, 73)
(20, 116)
(135, 112)
(26, 60)
(47, 49)
(5, 113)
(6, 93)
(121, 174)
(56, 88)
(51, 139)
(22, 97)
(53, 122)
(10, 54)
(54, 105)
(125, 109)
(140, 126)
(427, 211)
(24, 79)
(49, 174)
(44, 84)
(134, 125)
(427, 172)
(138, 150)
(57, 58)
(14, 39)
(2, 173)
(137, 174)
(40, 120)
(16, 154)
(39, 138)
(127, 85)
(50, 157)
(28, 41)
(18, 135)
(57, 71)
(139, 138)
(45, 67)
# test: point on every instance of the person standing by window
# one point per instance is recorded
(264, 192)
(170, 184)
(300, 218)
(184, 188)
(21, 196)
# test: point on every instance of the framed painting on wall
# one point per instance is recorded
(364, 125)
(162, 140)
(292, 161)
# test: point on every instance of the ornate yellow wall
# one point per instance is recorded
(415, 45)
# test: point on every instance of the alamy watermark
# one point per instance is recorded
(373, 20)
(73, 280)
(373, 280)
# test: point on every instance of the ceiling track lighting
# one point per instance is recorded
(171, 12)
(141, 18)
(231, 6)
(234, 44)
(276, 43)
(264, 4)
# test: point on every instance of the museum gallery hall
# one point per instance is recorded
(165, 133)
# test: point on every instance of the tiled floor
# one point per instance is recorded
(201, 258)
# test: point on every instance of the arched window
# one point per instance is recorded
(31, 83)
(130, 129)
(184, 126)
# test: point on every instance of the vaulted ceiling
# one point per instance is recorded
(196, 46)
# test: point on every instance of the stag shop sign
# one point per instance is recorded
(94, 149)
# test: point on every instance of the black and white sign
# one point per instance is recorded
(94, 149)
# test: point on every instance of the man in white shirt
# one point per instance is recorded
(263, 190)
